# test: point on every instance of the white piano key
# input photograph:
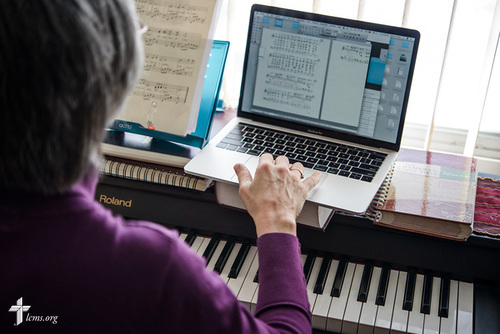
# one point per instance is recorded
(432, 320)
(312, 282)
(338, 305)
(399, 316)
(416, 319)
(203, 243)
(465, 308)
(384, 313)
(322, 303)
(215, 256)
(353, 307)
(369, 310)
(235, 284)
(227, 268)
(249, 287)
(449, 325)
(183, 236)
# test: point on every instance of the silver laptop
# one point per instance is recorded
(331, 93)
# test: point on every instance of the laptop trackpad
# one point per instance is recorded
(251, 164)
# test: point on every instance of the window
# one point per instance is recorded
(454, 105)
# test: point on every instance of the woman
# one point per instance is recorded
(68, 264)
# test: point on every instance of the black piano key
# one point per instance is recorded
(224, 255)
(339, 279)
(190, 238)
(209, 251)
(382, 286)
(425, 306)
(256, 277)
(409, 290)
(322, 275)
(308, 264)
(365, 283)
(238, 262)
(444, 297)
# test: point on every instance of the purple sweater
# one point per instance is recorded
(69, 257)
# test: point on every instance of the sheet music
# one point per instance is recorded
(177, 46)
(291, 72)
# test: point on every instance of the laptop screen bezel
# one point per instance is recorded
(338, 21)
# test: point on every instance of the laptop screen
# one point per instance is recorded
(336, 77)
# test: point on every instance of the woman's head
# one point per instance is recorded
(66, 67)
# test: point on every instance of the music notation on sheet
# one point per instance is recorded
(304, 45)
(162, 92)
(290, 81)
(169, 65)
(291, 72)
(288, 98)
(175, 59)
(173, 13)
(172, 38)
(355, 54)
(292, 63)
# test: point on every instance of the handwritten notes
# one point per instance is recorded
(177, 46)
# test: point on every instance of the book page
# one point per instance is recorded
(177, 47)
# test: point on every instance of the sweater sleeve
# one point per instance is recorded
(282, 301)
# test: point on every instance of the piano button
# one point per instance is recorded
(215, 254)
(369, 311)
(209, 251)
(339, 279)
(409, 290)
(313, 275)
(444, 297)
(322, 304)
(465, 307)
(365, 283)
(382, 286)
(322, 276)
(449, 324)
(235, 284)
(425, 306)
(337, 306)
(224, 274)
(384, 313)
(400, 316)
(416, 318)
(249, 287)
(432, 320)
(238, 262)
(190, 238)
(308, 265)
(353, 307)
(223, 257)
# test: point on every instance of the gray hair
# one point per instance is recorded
(66, 67)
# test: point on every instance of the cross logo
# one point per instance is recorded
(19, 309)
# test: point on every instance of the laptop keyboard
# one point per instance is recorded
(338, 159)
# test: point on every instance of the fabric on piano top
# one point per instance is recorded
(67, 256)
(487, 209)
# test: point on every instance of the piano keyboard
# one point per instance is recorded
(347, 297)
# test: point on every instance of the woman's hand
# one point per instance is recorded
(275, 196)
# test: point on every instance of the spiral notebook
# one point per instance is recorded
(428, 193)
